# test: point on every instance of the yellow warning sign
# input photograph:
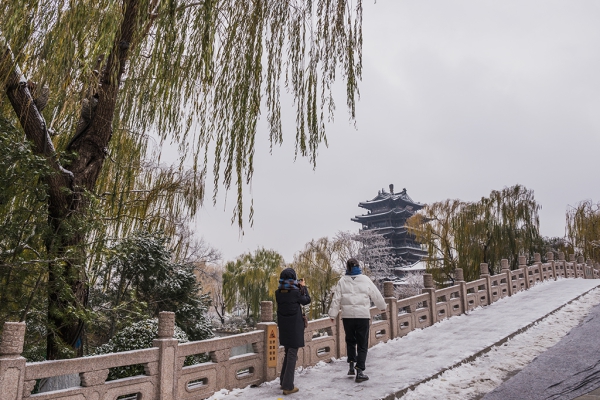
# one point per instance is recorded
(272, 346)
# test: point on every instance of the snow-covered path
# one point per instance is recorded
(401, 363)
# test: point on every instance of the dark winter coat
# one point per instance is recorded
(289, 316)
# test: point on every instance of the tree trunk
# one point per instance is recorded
(67, 208)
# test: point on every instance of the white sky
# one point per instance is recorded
(458, 98)
(402, 362)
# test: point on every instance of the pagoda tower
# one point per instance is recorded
(387, 215)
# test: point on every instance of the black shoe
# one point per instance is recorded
(360, 376)
(351, 370)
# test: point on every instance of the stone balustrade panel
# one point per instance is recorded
(420, 313)
(547, 273)
(319, 343)
(499, 286)
(406, 314)
(477, 295)
(144, 386)
(580, 271)
(220, 343)
(533, 274)
(518, 280)
(570, 270)
(223, 371)
(380, 328)
(449, 302)
(48, 369)
(560, 269)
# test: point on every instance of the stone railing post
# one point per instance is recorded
(12, 364)
(506, 271)
(392, 309)
(459, 279)
(429, 288)
(485, 273)
(550, 258)
(167, 359)
(537, 260)
(563, 263)
(523, 266)
(573, 262)
(271, 341)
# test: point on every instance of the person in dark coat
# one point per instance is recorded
(291, 296)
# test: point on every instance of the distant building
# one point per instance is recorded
(387, 215)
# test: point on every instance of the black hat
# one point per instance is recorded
(352, 262)
(288, 273)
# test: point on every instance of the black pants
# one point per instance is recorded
(287, 369)
(357, 340)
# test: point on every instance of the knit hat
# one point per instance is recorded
(288, 273)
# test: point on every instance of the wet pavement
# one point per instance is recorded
(569, 370)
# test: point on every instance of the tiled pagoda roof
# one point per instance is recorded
(394, 199)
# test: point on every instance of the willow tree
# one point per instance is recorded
(583, 229)
(320, 264)
(250, 279)
(89, 81)
(464, 234)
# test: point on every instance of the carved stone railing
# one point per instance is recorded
(166, 377)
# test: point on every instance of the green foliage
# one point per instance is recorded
(24, 235)
(320, 266)
(139, 280)
(136, 336)
(583, 229)
(462, 234)
(250, 279)
(197, 72)
(23, 227)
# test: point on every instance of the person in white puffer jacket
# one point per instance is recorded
(353, 295)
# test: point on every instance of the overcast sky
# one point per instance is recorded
(458, 98)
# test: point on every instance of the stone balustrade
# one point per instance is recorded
(166, 377)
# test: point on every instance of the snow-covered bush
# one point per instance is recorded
(137, 336)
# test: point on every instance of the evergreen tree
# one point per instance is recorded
(140, 280)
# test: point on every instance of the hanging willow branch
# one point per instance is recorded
(196, 73)
(461, 234)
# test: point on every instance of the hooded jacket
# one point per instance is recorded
(353, 295)
(289, 312)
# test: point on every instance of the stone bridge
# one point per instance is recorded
(165, 376)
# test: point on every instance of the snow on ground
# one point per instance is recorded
(481, 376)
(403, 362)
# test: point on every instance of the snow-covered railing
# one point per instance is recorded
(223, 370)
(166, 377)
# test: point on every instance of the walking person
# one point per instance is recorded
(353, 295)
(291, 295)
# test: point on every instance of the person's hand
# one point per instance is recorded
(301, 282)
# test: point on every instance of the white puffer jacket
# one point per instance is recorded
(353, 294)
